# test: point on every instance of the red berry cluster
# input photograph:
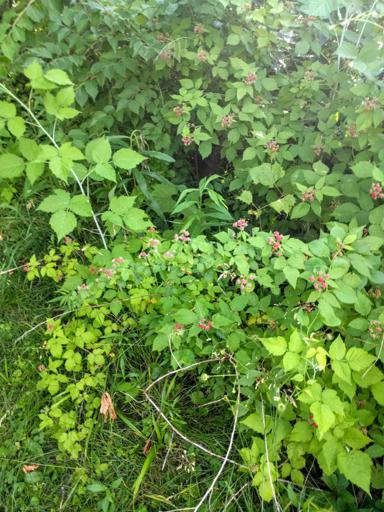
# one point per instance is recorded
(376, 191)
(202, 55)
(319, 282)
(351, 132)
(183, 236)
(250, 78)
(198, 29)
(245, 282)
(178, 110)
(227, 121)
(308, 195)
(275, 241)
(204, 324)
(240, 224)
(165, 55)
(162, 37)
(375, 328)
(187, 140)
(309, 75)
(179, 327)
(272, 146)
(369, 104)
(311, 422)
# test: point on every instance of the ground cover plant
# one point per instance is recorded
(191, 255)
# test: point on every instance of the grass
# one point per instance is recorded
(104, 476)
(112, 473)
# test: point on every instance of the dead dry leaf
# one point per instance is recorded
(28, 468)
(106, 407)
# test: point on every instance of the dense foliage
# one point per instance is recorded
(213, 172)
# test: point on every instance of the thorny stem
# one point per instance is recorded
(53, 141)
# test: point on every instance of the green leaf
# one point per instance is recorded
(255, 422)
(16, 126)
(65, 97)
(7, 110)
(62, 223)
(363, 169)
(358, 359)
(328, 313)
(33, 71)
(323, 416)
(342, 370)
(337, 350)
(81, 206)
(363, 304)
(269, 84)
(101, 151)
(249, 154)
(291, 361)
(11, 166)
(58, 76)
(378, 392)
(185, 316)
(246, 197)
(300, 210)
(29, 149)
(356, 467)
(276, 346)
(122, 204)
(137, 220)
(127, 158)
(266, 174)
(355, 438)
(55, 202)
(105, 171)
(284, 204)
(361, 264)
(34, 170)
(292, 275)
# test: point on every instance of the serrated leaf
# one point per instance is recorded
(358, 359)
(34, 170)
(291, 275)
(7, 110)
(337, 350)
(276, 346)
(356, 467)
(122, 204)
(16, 126)
(323, 416)
(127, 158)
(101, 151)
(81, 206)
(55, 202)
(11, 166)
(106, 171)
(58, 76)
(300, 210)
(62, 223)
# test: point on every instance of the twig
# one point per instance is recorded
(211, 487)
(168, 422)
(49, 136)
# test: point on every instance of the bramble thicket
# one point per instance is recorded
(192, 198)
